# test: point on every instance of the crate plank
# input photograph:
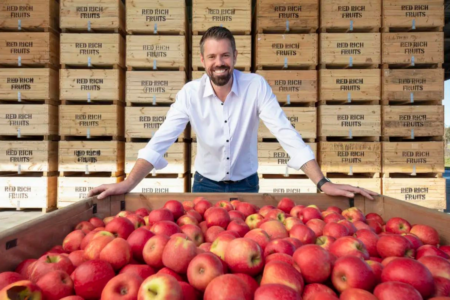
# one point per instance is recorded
(28, 156)
(350, 157)
(291, 50)
(287, 16)
(98, 85)
(413, 121)
(408, 47)
(91, 156)
(160, 186)
(286, 186)
(409, 157)
(91, 120)
(235, 15)
(426, 192)
(29, 49)
(371, 184)
(354, 85)
(28, 120)
(101, 49)
(32, 84)
(38, 15)
(350, 49)
(341, 121)
(340, 15)
(148, 87)
(243, 47)
(156, 17)
(291, 86)
(162, 52)
(416, 85)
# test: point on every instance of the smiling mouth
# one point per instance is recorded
(220, 71)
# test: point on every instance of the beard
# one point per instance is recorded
(222, 79)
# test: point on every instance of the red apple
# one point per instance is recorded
(332, 217)
(414, 240)
(96, 245)
(428, 250)
(317, 226)
(335, 230)
(194, 233)
(188, 205)
(253, 220)
(398, 225)
(438, 266)
(249, 282)
(296, 242)
(259, 236)
(153, 249)
(394, 245)
(412, 272)
(108, 219)
(276, 291)
(286, 204)
(239, 226)
(352, 272)
(278, 272)
(212, 233)
(349, 245)
(427, 234)
(91, 277)
(22, 268)
(6, 278)
(137, 240)
(275, 229)
(227, 287)
(203, 269)
(442, 287)
(77, 257)
(246, 208)
(325, 242)
(334, 209)
(353, 214)
(387, 260)
(376, 217)
(310, 213)
(85, 226)
(303, 233)
(137, 221)
(369, 239)
(187, 219)
(120, 227)
(142, 212)
(377, 269)
(357, 294)
(311, 290)
(48, 263)
(314, 263)
(23, 289)
(170, 272)
(189, 292)
(178, 253)
(198, 199)
(445, 249)
(55, 285)
(397, 291)
(205, 246)
(243, 255)
(122, 287)
(72, 298)
(225, 205)
(351, 228)
(234, 214)
(160, 286)
(280, 257)
(279, 246)
(220, 244)
(202, 206)
(72, 241)
(375, 225)
(289, 222)
(142, 271)
(265, 210)
(117, 253)
(195, 215)
(175, 207)
(165, 227)
(162, 214)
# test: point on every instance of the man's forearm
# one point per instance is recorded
(140, 170)
(312, 170)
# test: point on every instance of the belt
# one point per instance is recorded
(231, 181)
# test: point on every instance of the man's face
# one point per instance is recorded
(218, 60)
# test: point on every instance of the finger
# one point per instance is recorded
(345, 193)
(105, 194)
(366, 194)
(96, 190)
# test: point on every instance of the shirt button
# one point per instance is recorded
(225, 121)
(221, 103)
(228, 158)
(228, 172)
(228, 141)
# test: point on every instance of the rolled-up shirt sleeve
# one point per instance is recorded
(275, 119)
(174, 124)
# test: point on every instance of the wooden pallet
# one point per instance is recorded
(162, 184)
(282, 185)
(365, 181)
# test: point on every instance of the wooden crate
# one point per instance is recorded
(29, 49)
(350, 157)
(426, 192)
(371, 184)
(404, 15)
(143, 122)
(303, 119)
(286, 186)
(92, 15)
(35, 15)
(167, 17)
(272, 159)
(28, 192)
(413, 157)
(98, 49)
(148, 87)
(287, 16)
(413, 121)
(349, 121)
(176, 156)
(28, 120)
(400, 86)
(350, 15)
(91, 121)
(243, 47)
(350, 49)
(160, 185)
(413, 48)
(296, 87)
(286, 51)
(74, 189)
(91, 85)
(92, 156)
(235, 15)
(350, 86)
(156, 52)
(28, 84)
(28, 156)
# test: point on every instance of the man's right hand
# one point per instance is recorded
(112, 189)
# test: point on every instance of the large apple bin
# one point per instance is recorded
(32, 239)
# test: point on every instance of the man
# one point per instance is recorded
(224, 108)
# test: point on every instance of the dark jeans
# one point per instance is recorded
(205, 185)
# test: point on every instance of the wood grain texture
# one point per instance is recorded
(33, 14)
(40, 119)
(31, 156)
(337, 14)
(402, 13)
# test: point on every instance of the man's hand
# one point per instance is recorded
(346, 190)
(106, 190)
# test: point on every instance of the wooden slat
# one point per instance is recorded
(33, 14)
(371, 184)
(303, 119)
(33, 84)
(288, 186)
(31, 156)
(160, 186)
(40, 119)
(402, 13)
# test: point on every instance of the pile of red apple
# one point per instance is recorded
(238, 251)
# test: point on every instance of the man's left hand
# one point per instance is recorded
(333, 189)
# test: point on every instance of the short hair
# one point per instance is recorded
(217, 33)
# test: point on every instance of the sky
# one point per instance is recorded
(447, 102)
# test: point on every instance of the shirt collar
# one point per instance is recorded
(208, 91)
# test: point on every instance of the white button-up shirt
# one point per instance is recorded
(227, 132)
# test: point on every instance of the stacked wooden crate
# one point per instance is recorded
(91, 114)
(286, 55)
(350, 92)
(412, 93)
(29, 56)
(156, 63)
